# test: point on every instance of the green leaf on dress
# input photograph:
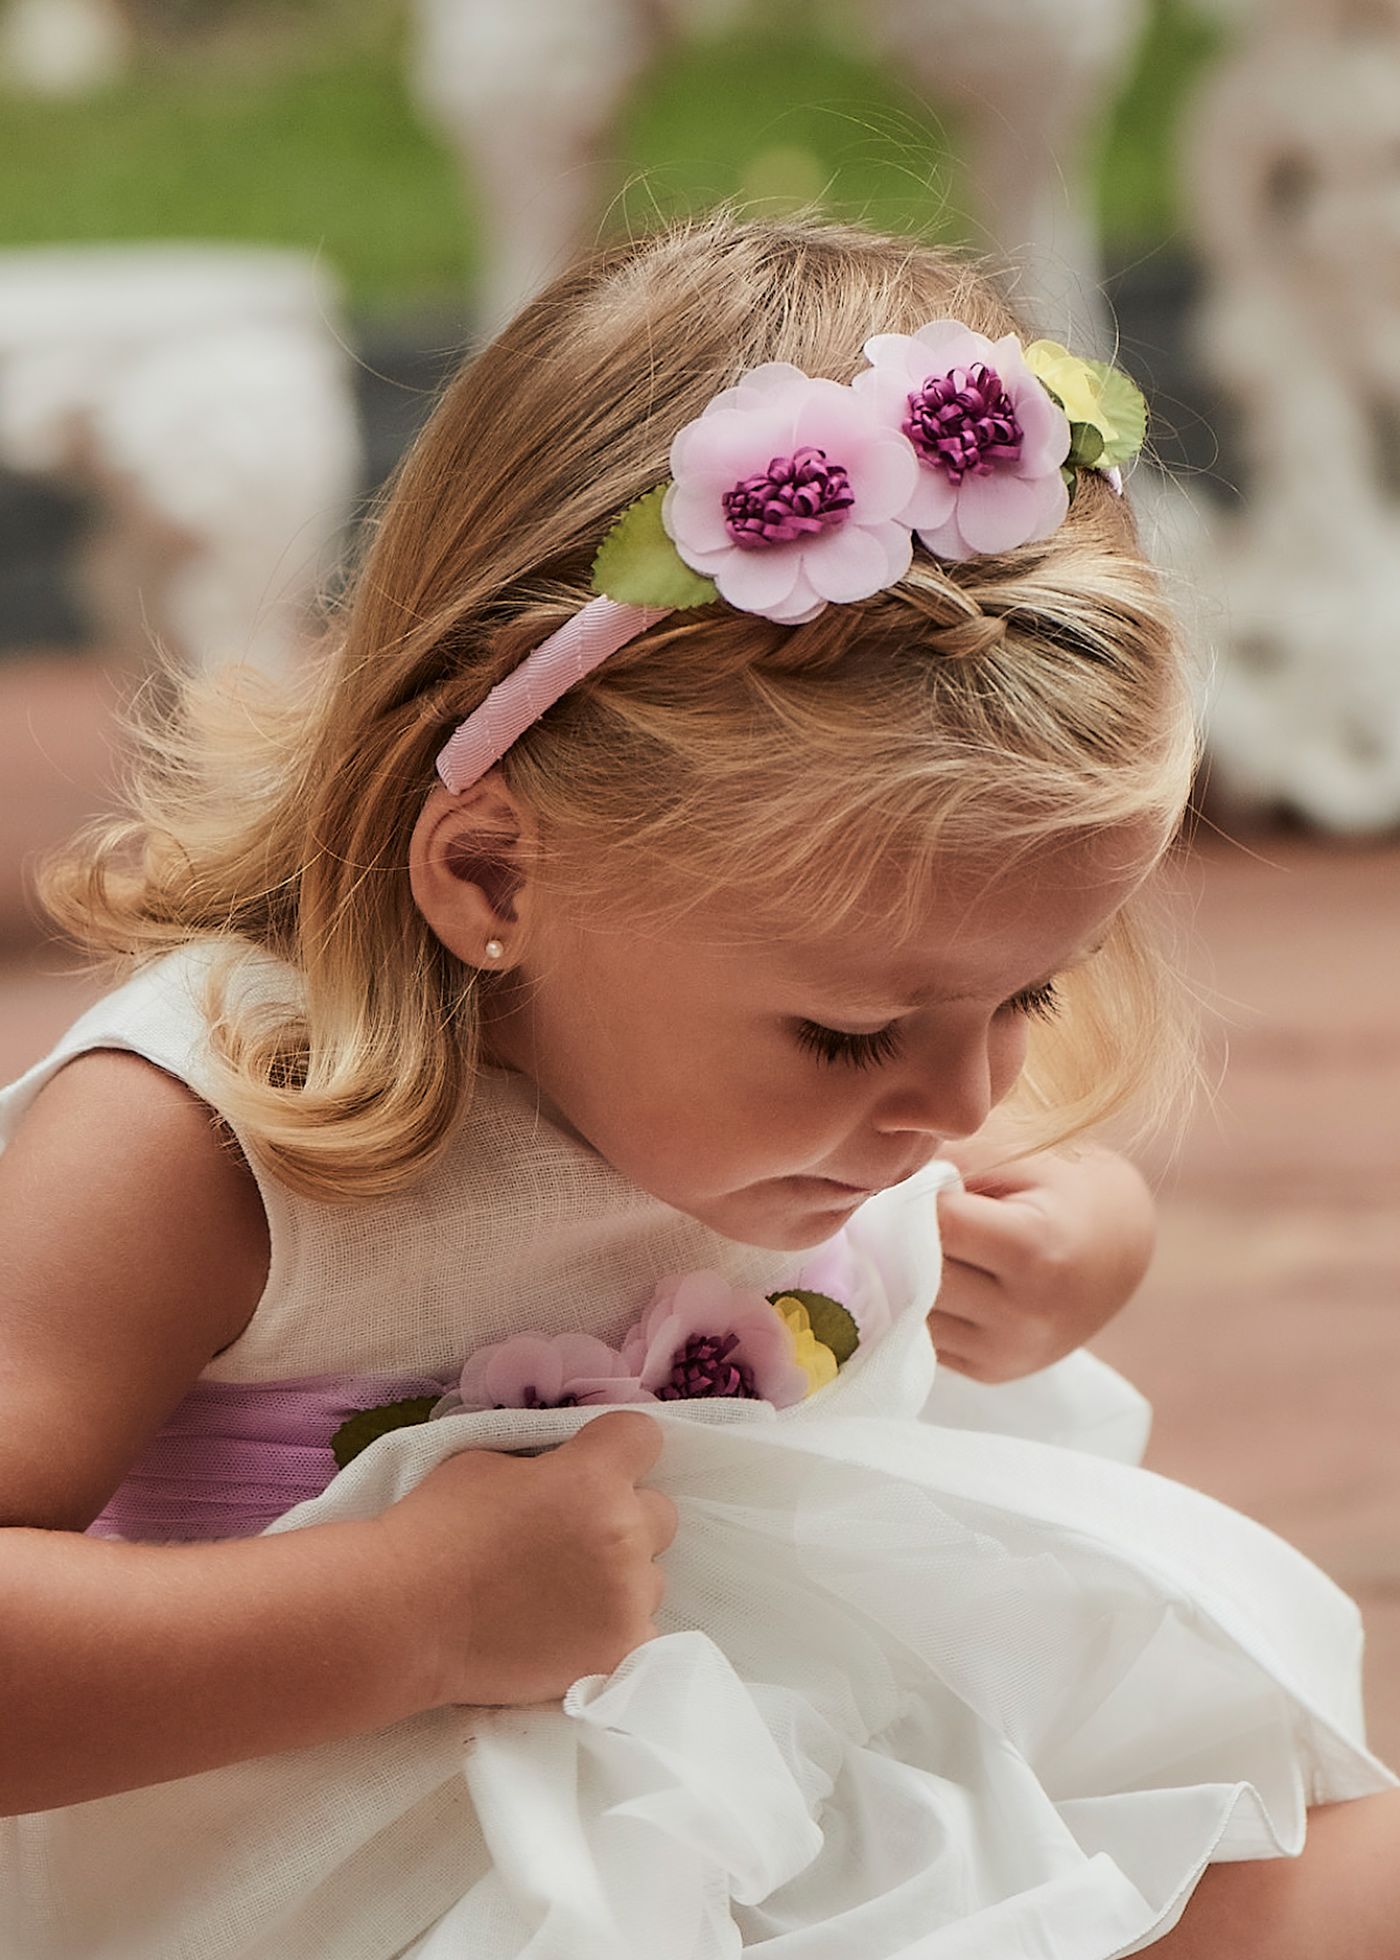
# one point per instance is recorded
(365, 1427)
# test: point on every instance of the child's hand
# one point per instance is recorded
(1039, 1254)
(528, 1572)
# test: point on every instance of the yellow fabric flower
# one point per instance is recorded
(1079, 388)
(1095, 394)
(812, 1356)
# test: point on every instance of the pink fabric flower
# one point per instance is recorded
(787, 492)
(701, 1336)
(989, 441)
(845, 1271)
(543, 1371)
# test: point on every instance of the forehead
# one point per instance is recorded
(965, 934)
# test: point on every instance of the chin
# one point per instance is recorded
(804, 1238)
(778, 1227)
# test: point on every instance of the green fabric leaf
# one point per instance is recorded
(359, 1431)
(1126, 408)
(831, 1323)
(1086, 446)
(638, 565)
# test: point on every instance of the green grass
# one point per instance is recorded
(1138, 170)
(307, 138)
(774, 118)
(324, 153)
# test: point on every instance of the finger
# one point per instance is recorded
(960, 1337)
(973, 1352)
(1017, 1174)
(629, 1440)
(961, 1364)
(661, 1515)
(993, 1234)
(971, 1295)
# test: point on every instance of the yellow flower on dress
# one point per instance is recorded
(812, 1356)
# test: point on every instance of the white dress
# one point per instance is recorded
(941, 1675)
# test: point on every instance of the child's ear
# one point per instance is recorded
(468, 867)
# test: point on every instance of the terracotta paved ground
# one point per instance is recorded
(1268, 1333)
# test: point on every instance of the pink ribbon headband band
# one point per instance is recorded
(557, 664)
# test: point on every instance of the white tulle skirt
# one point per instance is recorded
(941, 1677)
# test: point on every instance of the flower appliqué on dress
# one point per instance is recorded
(699, 1337)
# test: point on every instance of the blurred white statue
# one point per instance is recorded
(1033, 81)
(203, 394)
(63, 47)
(1294, 159)
(528, 94)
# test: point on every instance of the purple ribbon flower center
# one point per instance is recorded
(530, 1399)
(963, 422)
(795, 496)
(702, 1367)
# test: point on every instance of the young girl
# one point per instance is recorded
(739, 769)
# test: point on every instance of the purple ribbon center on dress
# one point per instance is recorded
(236, 1455)
(702, 1367)
(963, 422)
(531, 1400)
(794, 497)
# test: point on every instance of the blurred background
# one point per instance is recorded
(243, 241)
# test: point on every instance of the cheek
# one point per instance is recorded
(758, 1111)
(686, 1093)
(667, 1107)
(740, 1113)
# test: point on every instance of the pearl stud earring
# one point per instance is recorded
(494, 950)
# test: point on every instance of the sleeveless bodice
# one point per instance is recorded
(518, 1226)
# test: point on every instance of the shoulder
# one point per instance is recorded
(134, 1246)
(113, 1134)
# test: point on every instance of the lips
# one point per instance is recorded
(870, 1186)
(825, 1190)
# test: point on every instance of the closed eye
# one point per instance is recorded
(868, 1050)
(840, 1045)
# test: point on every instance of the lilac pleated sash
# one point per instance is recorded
(236, 1455)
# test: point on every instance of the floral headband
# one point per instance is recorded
(789, 494)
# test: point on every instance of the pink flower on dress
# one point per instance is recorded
(787, 492)
(989, 441)
(544, 1371)
(701, 1336)
(845, 1271)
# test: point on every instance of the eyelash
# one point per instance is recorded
(868, 1050)
(860, 1050)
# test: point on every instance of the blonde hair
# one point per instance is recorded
(971, 713)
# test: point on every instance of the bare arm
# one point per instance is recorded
(132, 1247)
(128, 1664)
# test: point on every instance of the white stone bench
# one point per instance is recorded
(202, 394)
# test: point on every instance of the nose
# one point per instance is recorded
(947, 1094)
